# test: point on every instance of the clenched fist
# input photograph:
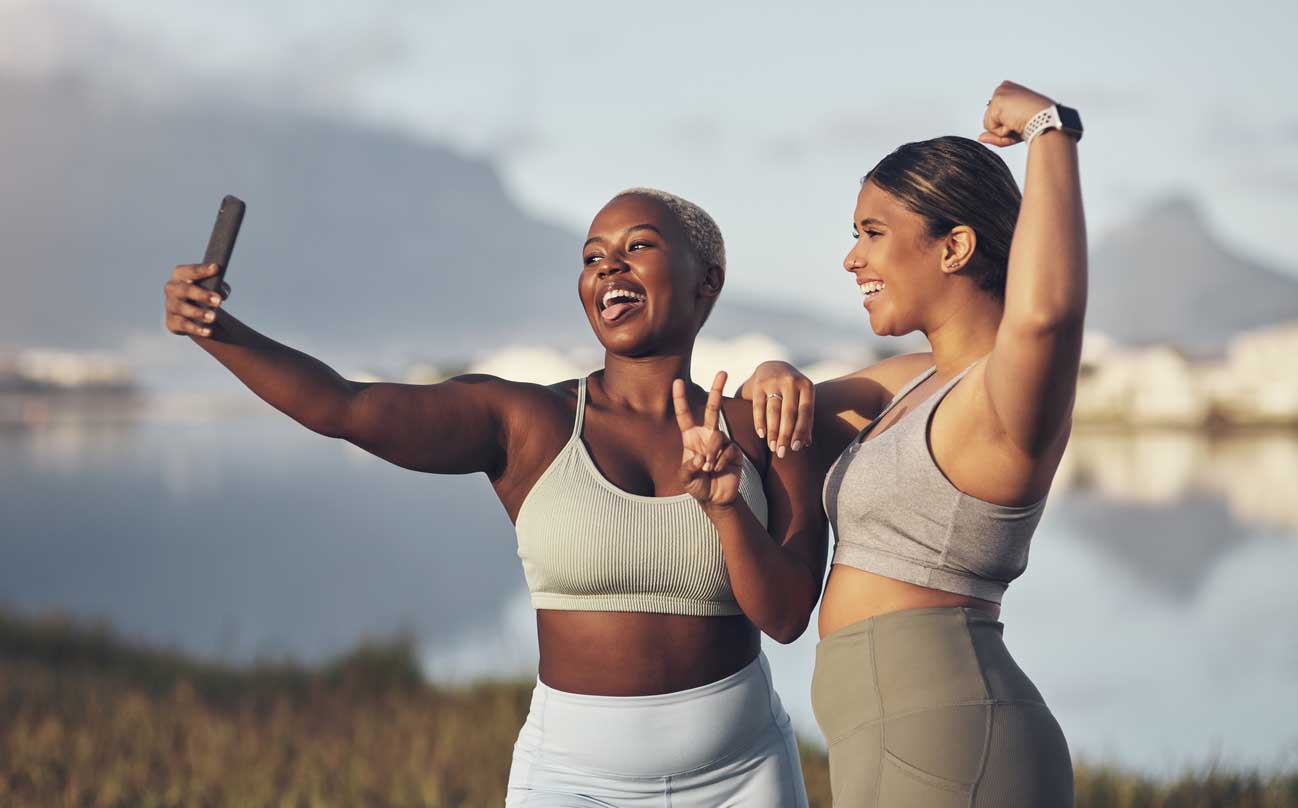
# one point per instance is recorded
(1008, 112)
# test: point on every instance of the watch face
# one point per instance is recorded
(1069, 118)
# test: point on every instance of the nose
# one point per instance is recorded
(853, 260)
(611, 265)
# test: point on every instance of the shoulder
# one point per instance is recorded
(895, 372)
(538, 400)
(537, 420)
(517, 404)
(856, 398)
(510, 391)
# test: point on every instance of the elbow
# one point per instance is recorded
(792, 625)
(1051, 320)
(789, 632)
(331, 430)
(794, 618)
(337, 420)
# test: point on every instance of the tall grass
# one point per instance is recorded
(87, 719)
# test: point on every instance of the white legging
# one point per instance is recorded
(728, 743)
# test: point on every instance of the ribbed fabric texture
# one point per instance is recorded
(587, 545)
(895, 514)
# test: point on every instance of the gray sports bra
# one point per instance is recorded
(587, 545)
(896, 514)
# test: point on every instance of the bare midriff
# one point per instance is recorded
(638, 653)
(853, 595)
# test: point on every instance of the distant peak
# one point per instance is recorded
(1179, 207)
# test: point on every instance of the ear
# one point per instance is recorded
(958, 248)
(714, 277)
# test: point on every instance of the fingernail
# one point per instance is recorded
(216, 301)
(771, 444)
(797, 445)
(209, 316)
(207, 332)
(761, 433)
(779, 452)
(707, 467)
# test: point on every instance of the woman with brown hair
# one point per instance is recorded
(938, 465)
(656, 550)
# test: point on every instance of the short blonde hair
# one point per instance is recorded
(700, 229)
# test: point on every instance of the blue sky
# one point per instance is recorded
(764, 113)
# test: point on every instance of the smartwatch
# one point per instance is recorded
(1055, 116)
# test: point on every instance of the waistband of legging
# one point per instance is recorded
(972, 617)
(759, 668)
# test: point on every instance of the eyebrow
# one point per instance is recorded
(870, 220)
(626, 232)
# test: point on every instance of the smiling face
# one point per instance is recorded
(896, 263)
(644, 289)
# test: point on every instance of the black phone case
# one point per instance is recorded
(221, 245)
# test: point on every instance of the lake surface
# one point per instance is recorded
(1159, 613)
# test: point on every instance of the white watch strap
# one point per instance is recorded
(1047, 118)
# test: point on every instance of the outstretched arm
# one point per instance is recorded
(455, 427)
(1031, 374)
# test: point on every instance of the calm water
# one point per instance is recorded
(1159, 615)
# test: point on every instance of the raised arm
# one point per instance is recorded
(1031, 374)
(455, 427)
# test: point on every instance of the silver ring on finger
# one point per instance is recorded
(775, 395)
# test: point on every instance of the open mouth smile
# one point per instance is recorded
(870, 290)
(618, 300)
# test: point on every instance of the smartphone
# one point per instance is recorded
(221, 245)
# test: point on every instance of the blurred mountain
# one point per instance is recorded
(373, 243)
(1163, 278)
(1206, 533)
(356, 239)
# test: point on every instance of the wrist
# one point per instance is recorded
(1031, 107)
(774, 370)
(718, 510)
(1051, 118)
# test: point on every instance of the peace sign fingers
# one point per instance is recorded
(711, 410)
(684, 418)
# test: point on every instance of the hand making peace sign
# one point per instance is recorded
(711, 463)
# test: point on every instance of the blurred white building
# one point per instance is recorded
(738, 357)
(40, 369)
(1256, 383)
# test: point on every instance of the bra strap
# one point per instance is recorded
(931, 403)
(721, 421)
(581, 408)
(956, 378)
(911, 385)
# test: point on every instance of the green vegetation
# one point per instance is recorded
(87, 719)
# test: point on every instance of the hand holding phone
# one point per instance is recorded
(195, 291)
(221, 244)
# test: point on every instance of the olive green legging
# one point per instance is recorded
(925, 708)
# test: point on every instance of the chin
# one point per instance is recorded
(879, 326)
(888, 325)
(624, 342)
(887, 328)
